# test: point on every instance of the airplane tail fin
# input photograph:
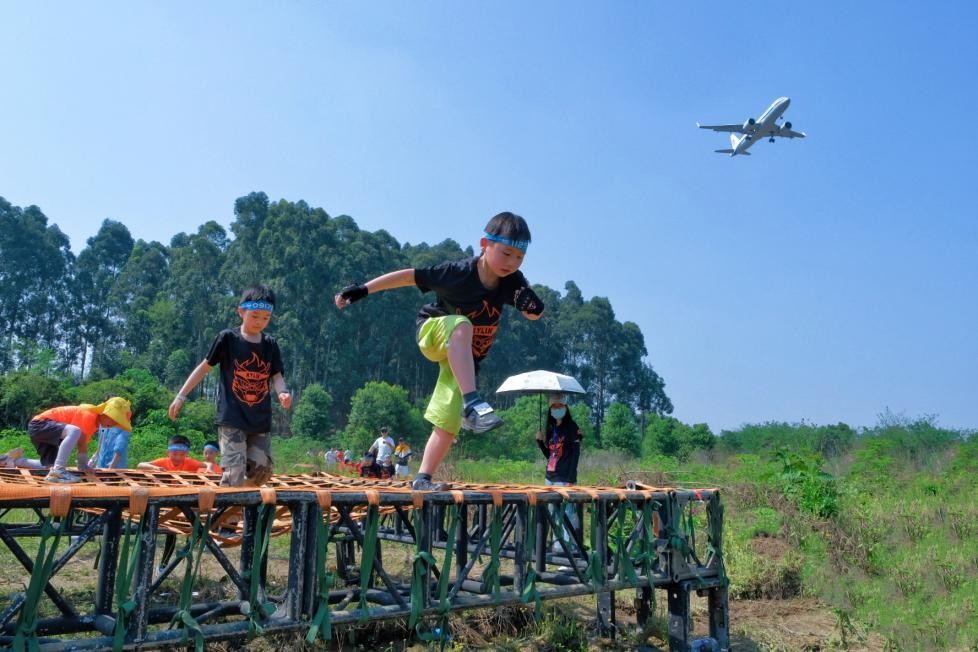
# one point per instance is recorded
(734, 141)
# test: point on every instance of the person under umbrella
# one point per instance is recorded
(560, 443)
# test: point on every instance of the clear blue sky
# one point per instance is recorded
(825, 279)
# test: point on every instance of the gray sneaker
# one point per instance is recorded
(61, 476)
(427, 485)
(481, 418)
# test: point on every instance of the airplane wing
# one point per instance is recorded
(737, 129)
(788, 133)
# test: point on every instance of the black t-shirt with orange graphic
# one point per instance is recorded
(244, 397)
(460, 292)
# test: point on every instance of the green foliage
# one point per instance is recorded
(829, 441)
(804, 483)
(312, 413)
(671, 437)
(24, 394)
(379, 404)
(620, 430)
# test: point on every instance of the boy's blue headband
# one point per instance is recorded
(212, 447)
(516, 244)
(257, 305)
(178, 448)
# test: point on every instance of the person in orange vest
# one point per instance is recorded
(56, 432)
(177, 458)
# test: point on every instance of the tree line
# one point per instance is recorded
(124, 304)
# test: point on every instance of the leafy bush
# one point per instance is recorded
(804, 483)
(311, 417)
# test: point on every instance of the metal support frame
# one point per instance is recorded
(677, 567)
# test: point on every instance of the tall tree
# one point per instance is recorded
(35, 267)
(96, 270)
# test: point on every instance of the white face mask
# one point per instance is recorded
(558, 413)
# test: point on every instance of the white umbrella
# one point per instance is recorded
(541, 382)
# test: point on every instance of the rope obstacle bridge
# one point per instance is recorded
(157, 537)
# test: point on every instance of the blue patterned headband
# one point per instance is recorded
(257, 305)
(212, 447)
(516, 244)
(178, 448)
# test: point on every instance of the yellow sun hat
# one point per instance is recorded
(119, 410)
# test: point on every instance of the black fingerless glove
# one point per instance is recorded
(526, 300)
(353, 292)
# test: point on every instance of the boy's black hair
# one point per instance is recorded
(509, 225)
(180, 439)
(258, 292)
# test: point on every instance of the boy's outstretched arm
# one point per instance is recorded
(284, 396)
(192, 381)
(528, 303)
(402, 278)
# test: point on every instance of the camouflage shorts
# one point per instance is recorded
(246, 457)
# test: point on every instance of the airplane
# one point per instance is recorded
(765, 126)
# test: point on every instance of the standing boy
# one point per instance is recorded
(457, 330)
(56, 432)
(249, 359)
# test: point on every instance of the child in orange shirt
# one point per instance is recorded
(211, 451)
(57, 431)
(177, 458)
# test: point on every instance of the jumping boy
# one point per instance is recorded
(457, 330)
(58, 431)
(249, 359)
(177, 458)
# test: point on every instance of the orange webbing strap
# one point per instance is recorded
(417, 499)
(205, 500)
(459, 496)
(138, 499)
(60, 501)
(373, 497)
(497, 498)
(268, 495)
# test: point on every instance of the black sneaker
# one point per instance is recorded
(481, 418)
(420, 484)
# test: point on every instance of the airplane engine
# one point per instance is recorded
(787, 125)
(749, 125)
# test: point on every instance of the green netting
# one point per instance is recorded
(490, 576)
(321, 622)
(128, 561)
(530, 591)
(370, 526)
(191, 554)
(26, 633)
(263, 531)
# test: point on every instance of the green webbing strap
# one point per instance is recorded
(444, 606)
(192, 554)
(26, 636)
(128, 561)
(424, 561)
(530, 591)
(263, 531)
(595, 565)
(646, 549)
(714, 510)
(321, 622)
(626, 571)
(369, 551)
(490, 576)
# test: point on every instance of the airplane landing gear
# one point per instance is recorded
(771, 139)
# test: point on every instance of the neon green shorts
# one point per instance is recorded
(445, 407)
